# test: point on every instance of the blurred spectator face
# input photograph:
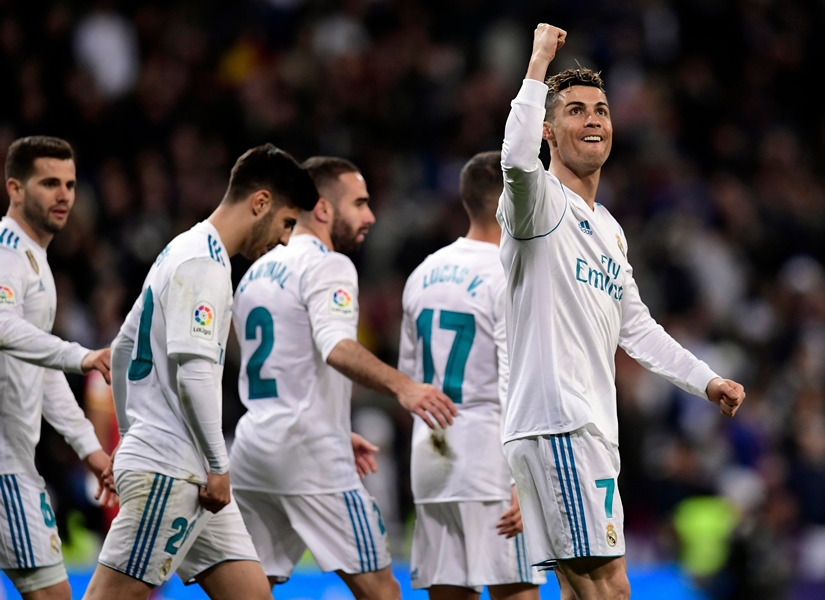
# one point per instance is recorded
(352, 217)
(47, 196)
(581, 131)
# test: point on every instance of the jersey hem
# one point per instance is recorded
(451, 500)
(260, 490)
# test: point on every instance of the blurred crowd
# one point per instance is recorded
(715, 176)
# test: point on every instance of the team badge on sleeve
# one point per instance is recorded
(341, 301)
(7, 296)
(203, 321)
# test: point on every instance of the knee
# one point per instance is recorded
(622, 589)
(389, 590)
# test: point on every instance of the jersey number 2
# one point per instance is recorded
(260, 388)
(464, 325)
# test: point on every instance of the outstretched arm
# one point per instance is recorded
(362, 366)
(22, 340)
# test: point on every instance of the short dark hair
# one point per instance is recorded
(325, 170)
(24, 151)
(480, 185)
(267, 167)
(568, 78)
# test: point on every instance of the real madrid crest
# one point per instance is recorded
(611, 535)
(621, 246)
(33, 262)
(55, 545)
(165, 568)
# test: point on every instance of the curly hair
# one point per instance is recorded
(567, 78)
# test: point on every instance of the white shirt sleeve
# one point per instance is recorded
(202, 408)
(525, 210)
(195, 305)
(409, 340)
(62, 412)
(21, 339)
(500, 337)
(330, 292)
(646, 341)
(122, 347)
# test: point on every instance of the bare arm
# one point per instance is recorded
(362, 366)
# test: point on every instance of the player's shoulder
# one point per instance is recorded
(16, 257)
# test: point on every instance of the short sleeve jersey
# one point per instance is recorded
(292, 307)
(184, 310)
(571, 296)
(453, 307)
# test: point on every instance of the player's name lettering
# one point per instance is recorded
(452, 274)
(274, 271)
(599, 279)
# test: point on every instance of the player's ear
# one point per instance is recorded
(261, 202)
(547, 132)
(14, 187)
(323, 210)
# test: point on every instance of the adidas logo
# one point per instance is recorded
(585, 227)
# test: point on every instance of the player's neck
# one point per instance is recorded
(315, 228)
(233, 225)
(41, 237)
(585, 186)
(484, 232)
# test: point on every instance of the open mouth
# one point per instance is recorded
(592, 139)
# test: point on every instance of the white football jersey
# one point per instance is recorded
(184, 309)
(293, 306)
(571, 296)
(27, 292)
(452, 335)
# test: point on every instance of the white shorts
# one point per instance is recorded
(161, 528)
(569, 499)
(456, 543)
(28, 530)
(343, 530)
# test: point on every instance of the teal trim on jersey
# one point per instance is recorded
(137, 560)
(32, 564)
(519, 559)
(8, 503)
(260, 388)
(370, 539)
(10, 241)
(567, 493)
(141, 365)
(354, 531)
(578, 494)
(535, 237)
(157, 524)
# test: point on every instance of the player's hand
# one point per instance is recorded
(727, 394)
(100, 464)
(364, 459)
(215, 494)
(510, 525)
(100, 360)
(547, 40)
(429, 403)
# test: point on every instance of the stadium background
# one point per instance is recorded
(715, 175)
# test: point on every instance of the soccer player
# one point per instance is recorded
(171, 469)
(467, 521)
(40, 181)
(571, 301)
(292, 458)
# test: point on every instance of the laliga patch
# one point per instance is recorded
(7, 296)
(203, 321)
(341, 301)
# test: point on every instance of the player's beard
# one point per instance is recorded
(38, 216)
(259, 238)
(344, 237)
